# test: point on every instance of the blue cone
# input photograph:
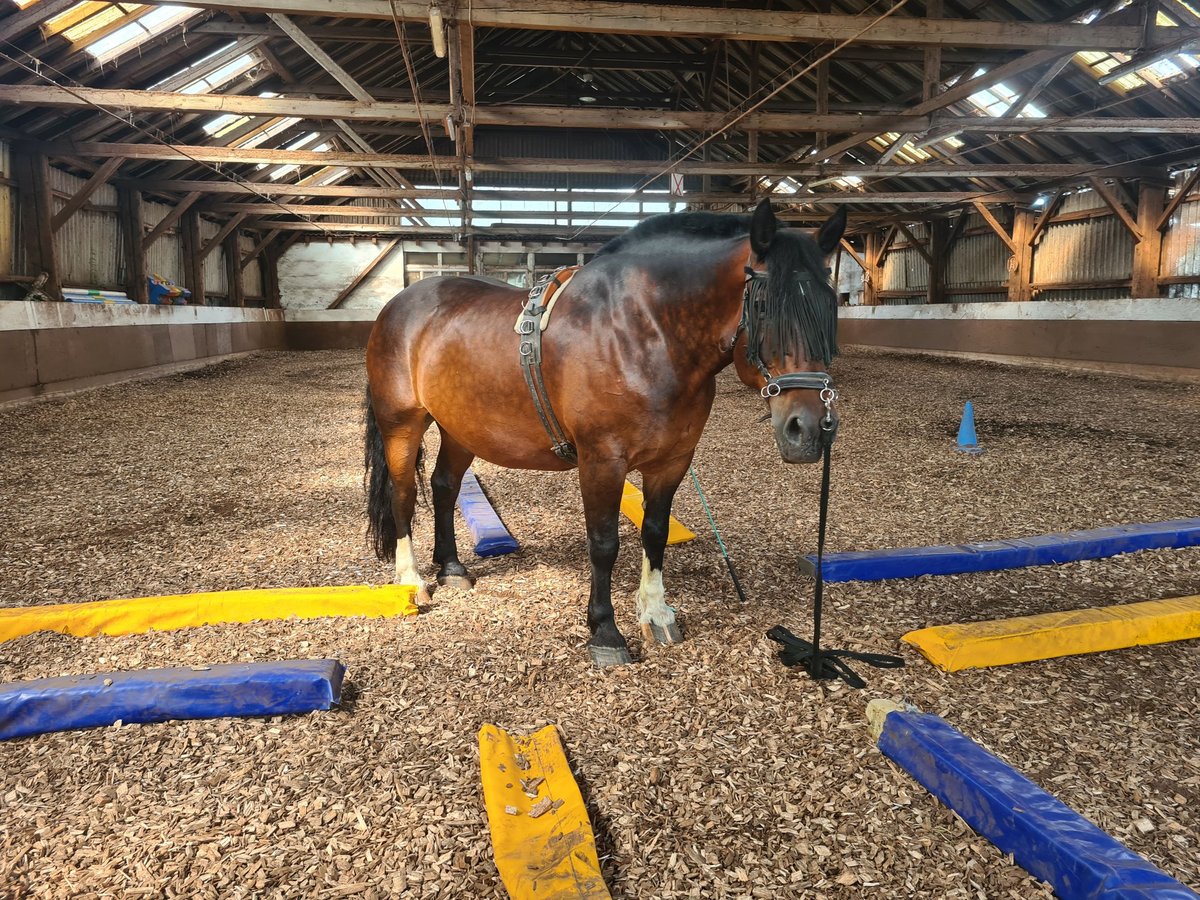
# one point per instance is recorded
(967, 442)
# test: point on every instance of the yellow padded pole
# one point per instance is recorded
(541, 837)
(631, 505)
(133, 616)
(1002, 642)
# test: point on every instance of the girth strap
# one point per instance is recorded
(529, 327)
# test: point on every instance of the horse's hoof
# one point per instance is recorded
(422, 597)
(662, 634)
(603, 657)
(456, 582)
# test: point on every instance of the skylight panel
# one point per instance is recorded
(223, 75)
(267, 132)
(225, 123)
(999, 98)
(107, 14)
(128, 37)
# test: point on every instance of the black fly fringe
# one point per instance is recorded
(786, 313)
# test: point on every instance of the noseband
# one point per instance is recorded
(776, 384)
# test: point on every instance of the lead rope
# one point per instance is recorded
(821, 664)
(737, 585)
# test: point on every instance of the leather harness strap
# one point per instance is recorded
(535, 316)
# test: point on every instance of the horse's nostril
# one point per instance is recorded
(794, 430)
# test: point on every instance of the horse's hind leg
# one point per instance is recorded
(601, 482)
(452, 463)
(656, 617)
(402, 445)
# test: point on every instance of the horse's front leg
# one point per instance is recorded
(601, 482)
(452, 463)
(658, 487)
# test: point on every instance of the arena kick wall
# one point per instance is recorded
(49, 348)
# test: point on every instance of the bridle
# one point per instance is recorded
(776, 384)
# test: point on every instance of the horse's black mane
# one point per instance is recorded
(790, 309)
(689, 224)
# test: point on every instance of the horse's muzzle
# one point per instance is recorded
(799, 435)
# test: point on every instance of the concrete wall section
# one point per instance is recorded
(55, 347)
(328, 329)
(1158, 336)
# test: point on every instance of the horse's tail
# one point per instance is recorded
(381, 521)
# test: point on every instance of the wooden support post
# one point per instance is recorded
(871, 270)
(1020, 268)
(939, 238)
(272, 298)
(129, 212)
(99, 177)
(367, 270)
(193, 263)
(32, 174)
(1147, 254)
(235, 296)
(932, 76)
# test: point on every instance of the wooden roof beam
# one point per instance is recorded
(415, 162)
(731, 23)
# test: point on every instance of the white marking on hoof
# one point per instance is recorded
(652, 605)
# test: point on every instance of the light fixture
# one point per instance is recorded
(438, 29)
(451, 130)
(587, 96)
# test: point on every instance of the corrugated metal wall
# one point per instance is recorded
(905, 269)
(976, 261)
(1181, 245)
(89, 245)
(214, 263)
(165, 256)
(252, 285)
(1096, 250)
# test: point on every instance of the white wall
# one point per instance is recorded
(312, 275)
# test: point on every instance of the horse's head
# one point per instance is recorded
(789, 328)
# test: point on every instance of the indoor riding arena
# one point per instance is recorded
(582, 450)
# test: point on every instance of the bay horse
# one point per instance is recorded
(629, 365)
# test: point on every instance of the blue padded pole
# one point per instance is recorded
(490, 535)
(157, 695)
(1042, 550)
(1046, 837)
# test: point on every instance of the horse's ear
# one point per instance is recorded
(831, 232)
(762, 228)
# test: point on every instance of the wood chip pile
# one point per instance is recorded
(710, 770)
